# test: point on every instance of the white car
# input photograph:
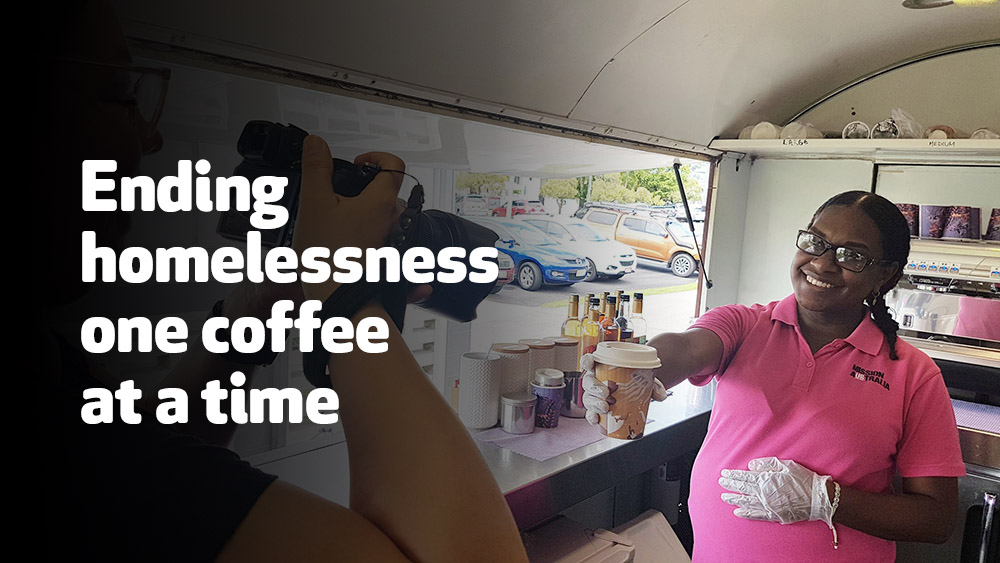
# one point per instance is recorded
(471, 206)
(606, 258)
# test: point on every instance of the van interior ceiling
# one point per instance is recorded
(672, 74)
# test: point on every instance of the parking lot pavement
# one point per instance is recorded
(648, 275)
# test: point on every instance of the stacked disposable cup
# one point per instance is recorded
(548, 387)
(614, 364)
(479, 390)
(541, 354)
(514, 374)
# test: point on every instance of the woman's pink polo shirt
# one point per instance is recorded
(849, 412)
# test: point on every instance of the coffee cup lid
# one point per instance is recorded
(627, 355)
(518, 398)
(548, 377)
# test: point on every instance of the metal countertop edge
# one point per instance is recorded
(538, 501)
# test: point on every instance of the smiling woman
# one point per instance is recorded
(870, 241)
(818, 406)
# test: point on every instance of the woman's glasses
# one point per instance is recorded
(848, 259)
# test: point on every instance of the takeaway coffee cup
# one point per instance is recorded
(911, 212)
(614, 364)
(993, 228)
(933, 219)
(963, 222)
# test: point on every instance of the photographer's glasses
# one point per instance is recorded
(848, 259)
(142, 89)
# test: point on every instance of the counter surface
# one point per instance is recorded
(538, 490)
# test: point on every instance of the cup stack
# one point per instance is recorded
(993, 227)
(541, 354)
(548, 387)
(479, 390)
(514, 374)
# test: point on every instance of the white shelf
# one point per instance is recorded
(890, 150)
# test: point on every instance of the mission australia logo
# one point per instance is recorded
(862, 374)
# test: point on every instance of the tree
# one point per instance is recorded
(663, 182)
(610, 187)
(560, 189)
(478, 183)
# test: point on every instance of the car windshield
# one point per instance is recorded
(585, 233)
(680, 233)
(527, 234)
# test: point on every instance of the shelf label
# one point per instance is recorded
(794, 142)
(940, 143)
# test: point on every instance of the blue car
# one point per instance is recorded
(537, 257)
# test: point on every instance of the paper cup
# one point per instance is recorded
(911, 212)
(963, 223)
(856, 130)
(932, 220)
(993, 228)
(614, 364)
(548, 387)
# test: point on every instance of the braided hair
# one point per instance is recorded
(895, 234)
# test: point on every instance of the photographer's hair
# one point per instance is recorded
(895, 235)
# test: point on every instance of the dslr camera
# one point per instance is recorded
(272, 149)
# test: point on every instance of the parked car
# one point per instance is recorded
(521, 207)
(506, 265)
(538, 259)
(471, 205)
(698, 213)
(650, 238)
(605, 258)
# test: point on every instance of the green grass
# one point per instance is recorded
(562, 303)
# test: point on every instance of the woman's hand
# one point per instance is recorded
(327, 219)
(597, 396)
(778, 490)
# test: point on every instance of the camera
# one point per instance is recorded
(272, 149)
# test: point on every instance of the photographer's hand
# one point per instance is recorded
(330, 220)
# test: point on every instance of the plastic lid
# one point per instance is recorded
(627, 355)
(518, 398)
(562, 340)
(510, 348)
(548, 377)
(536, 343)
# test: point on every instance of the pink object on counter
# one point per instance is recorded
(848, 411)
(546, 443)
(978, 318)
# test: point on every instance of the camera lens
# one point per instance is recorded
(437, 230)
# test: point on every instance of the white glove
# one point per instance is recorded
(596, 394)
(778, 490)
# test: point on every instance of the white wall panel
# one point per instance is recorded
(782, 198)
